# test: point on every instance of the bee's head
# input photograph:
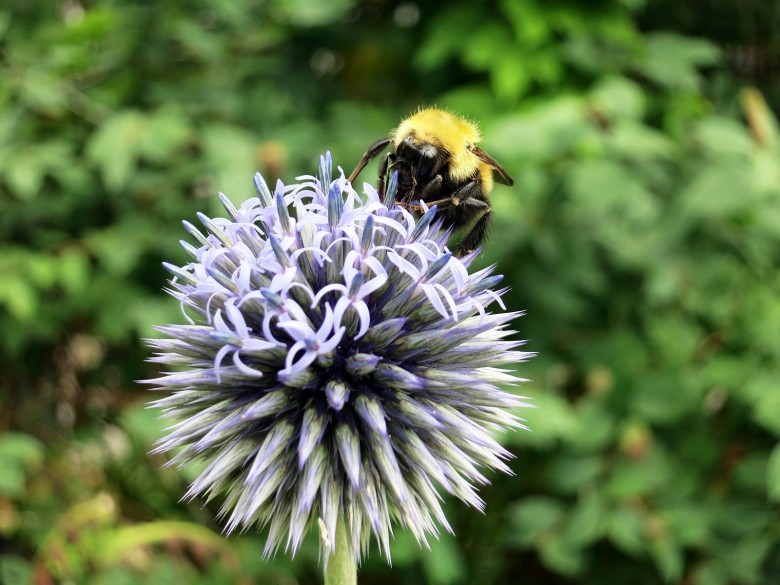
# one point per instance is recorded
(425, 157)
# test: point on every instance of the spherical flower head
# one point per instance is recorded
(338, 361)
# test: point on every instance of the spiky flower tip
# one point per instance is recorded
(339, 362)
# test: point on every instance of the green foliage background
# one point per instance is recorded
(642, 238)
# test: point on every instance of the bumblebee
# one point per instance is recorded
(438, 162)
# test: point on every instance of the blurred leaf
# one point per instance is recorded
(19, 452)
(544, 132)
(143, 424)
(312, 12)
(535, 517)
(710, 573)
(638, 142)
(722, 136)
(73, 268)
(129, 538)
(5, 22)
(42, 91)
(165, 132)
(230, 154)
(116, 576)
(117, 246)
(27, 169)
(19, 298)
(15, 570)
(664, 397)
(773, 474)
(594, 428)
(550, 419)
(751, 473)
(626, 529)
(586, 524)
(668, 557)
(639, 477)
(689, 523)
(618, 98)
(742, 561)
(443, 564)
(763, 123)
(592, 185)
(569, 474)
(115, 146)
(528, 20)
(510, 78)
(485, 43)
(440, 44)
(556, 553)
(766, 404)
(673, 60)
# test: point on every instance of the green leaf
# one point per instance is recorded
(603, 188)
(595, 427)
(618, 98)
(440, 44)
(637, 477)
(543, 132)
(664, 397)
(19, 298)
(25, 175)
(142, 424)
(229, 152)
(18, 453)
(711, 572)
(637, 142)
(44, 92)
(551, 419)
(534, 517)
(744, 559)
(626, 529)
(313, 12)
(568, 474)
(509, 77)
(489, 40)
(766, 403)
(689, 522)
(166, 131)
(444, 563)
(773, 475)
(668, 557)
(723, 136)
(15, 570)
(558, 555)
(73, 268)
(673, 60)
(115, 146)
(586, 524)
(12, 480)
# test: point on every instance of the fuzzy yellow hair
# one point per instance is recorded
(447, 132)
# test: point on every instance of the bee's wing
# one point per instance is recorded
(503, 177)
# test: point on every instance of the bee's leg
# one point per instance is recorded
(465, 204)
(433, 186)
(409, 195)
(476, 236)
(468, 197)
(381, 184)
(372, 151)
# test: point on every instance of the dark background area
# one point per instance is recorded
(642, 237)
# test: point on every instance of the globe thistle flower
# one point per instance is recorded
(339, 361)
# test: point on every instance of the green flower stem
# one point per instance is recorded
(342, 569)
